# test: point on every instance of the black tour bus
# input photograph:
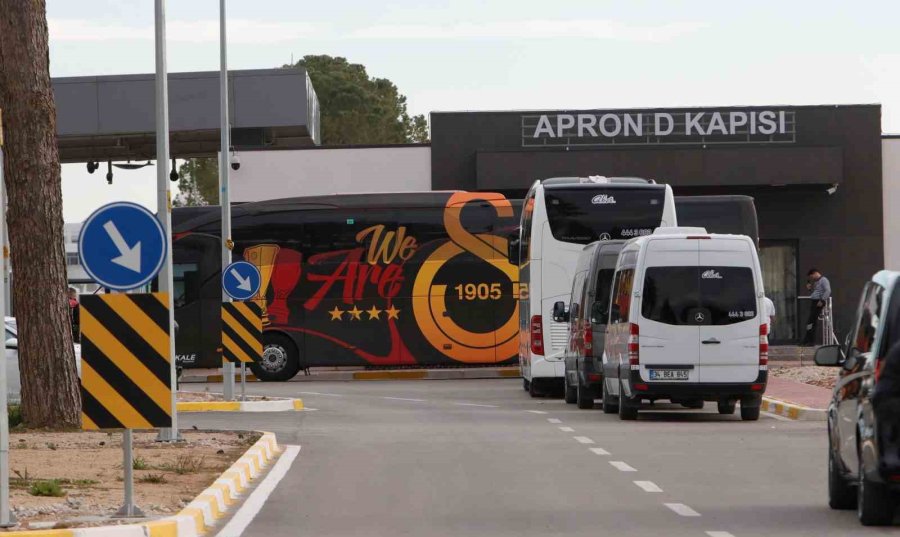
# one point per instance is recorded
(395, 279)
(719, 214)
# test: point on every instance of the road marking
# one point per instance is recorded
(622, 466)
(475, 404)
(583, 439)
(719, 534)
(256, 500)
(681, 509)
(648, 486)
(554, 420)
(536, 411)
(567, 429)
(599, 451)
(307, 409)
(319, 393)
(405, 399)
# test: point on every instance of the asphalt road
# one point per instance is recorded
(482, 458)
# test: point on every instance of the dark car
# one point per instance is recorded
(587, 313)
(860, 473)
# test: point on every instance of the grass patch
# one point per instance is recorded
(156, 479)
(140, 463)
(14, 413)
(185, 464)
(50, 488)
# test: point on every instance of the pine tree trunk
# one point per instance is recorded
(50, 392)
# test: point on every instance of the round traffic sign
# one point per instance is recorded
(241, 280)
(122, 246)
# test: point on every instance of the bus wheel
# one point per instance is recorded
(280, 360)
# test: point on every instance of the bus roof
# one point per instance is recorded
(593, 180)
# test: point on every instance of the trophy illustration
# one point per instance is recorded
(284, 281)
(263, 256)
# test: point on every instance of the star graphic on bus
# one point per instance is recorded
(336, 314)
(392, 313)
(374, 313)
(355, 313)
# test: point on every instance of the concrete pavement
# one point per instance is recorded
(480, 457)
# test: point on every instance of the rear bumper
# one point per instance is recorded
(696, 390)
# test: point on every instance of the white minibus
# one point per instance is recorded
(559, 217)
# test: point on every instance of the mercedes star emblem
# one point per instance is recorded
(699, 317)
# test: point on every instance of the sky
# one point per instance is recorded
(504, 54)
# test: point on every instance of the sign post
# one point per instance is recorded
(126, 338)
(224, 198)
(7, 519)
(240, 281)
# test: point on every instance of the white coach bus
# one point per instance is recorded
(559, 217)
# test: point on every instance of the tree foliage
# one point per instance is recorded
(198, 182)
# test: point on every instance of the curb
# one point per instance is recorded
(280, 405)
(388, 374)
(793, 411)
(199, 515)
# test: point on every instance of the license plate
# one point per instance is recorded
(669, 374)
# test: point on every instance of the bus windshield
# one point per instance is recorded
(581, 215)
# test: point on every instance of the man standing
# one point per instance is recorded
(820, 289)
(75, 313)
(770, 315)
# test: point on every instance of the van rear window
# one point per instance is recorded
(705, 295)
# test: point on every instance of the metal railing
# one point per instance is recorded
(825, 321)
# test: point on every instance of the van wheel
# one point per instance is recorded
(610, 405)
(628, 408)
(726, 407)
(533, 389)
(874, 504)
(584, 397)
(280, 359)
(526, 385)
(749, 413)
(841, 494)
(569, 392)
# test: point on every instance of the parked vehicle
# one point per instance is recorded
(686, 323)
(13, 383)
(730, 214)
(857, 473)
(587, 314)
(559, 217)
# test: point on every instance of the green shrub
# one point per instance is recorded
(156, 479)
(46, 488)
(140, 463)
(14, 412)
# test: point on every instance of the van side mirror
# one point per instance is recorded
(12, 343)
(599, 313)
(829, 356)
(560, 312)
(512, 251)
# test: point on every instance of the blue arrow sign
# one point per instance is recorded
(241, 280)
(122, 246)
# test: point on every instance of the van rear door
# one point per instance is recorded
(729, 338)
(669, 337)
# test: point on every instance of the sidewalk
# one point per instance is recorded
(796, 400)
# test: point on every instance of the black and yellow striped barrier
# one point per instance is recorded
(241, 332)
(125, 361)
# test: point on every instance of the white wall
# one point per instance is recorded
(309, 172)
(890, 170)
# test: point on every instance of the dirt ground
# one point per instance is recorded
(209, 396)
(823, 377)
(88, 469)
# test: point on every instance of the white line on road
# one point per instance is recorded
(719, 534)
(583, 439)
(622, 466)
(567, 429)
(599, 451)
(258, 497)
(475, 404)
(405, 399)
(648, 486)
(536, 411)
(682, 509)
(554, 420)
(319, 393)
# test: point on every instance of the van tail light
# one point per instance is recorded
(634, 350)
(588, 339)
(537, 335)
(763, 347)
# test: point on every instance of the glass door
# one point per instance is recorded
(779, 266)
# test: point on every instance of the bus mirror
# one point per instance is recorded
(599, 313)
(512, 251)
(560, 313)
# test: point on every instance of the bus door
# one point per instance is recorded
(197, 297)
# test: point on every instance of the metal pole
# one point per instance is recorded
(6, 518)
(129, 509)
(243, 381)
(164, 201)
(224, 198)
